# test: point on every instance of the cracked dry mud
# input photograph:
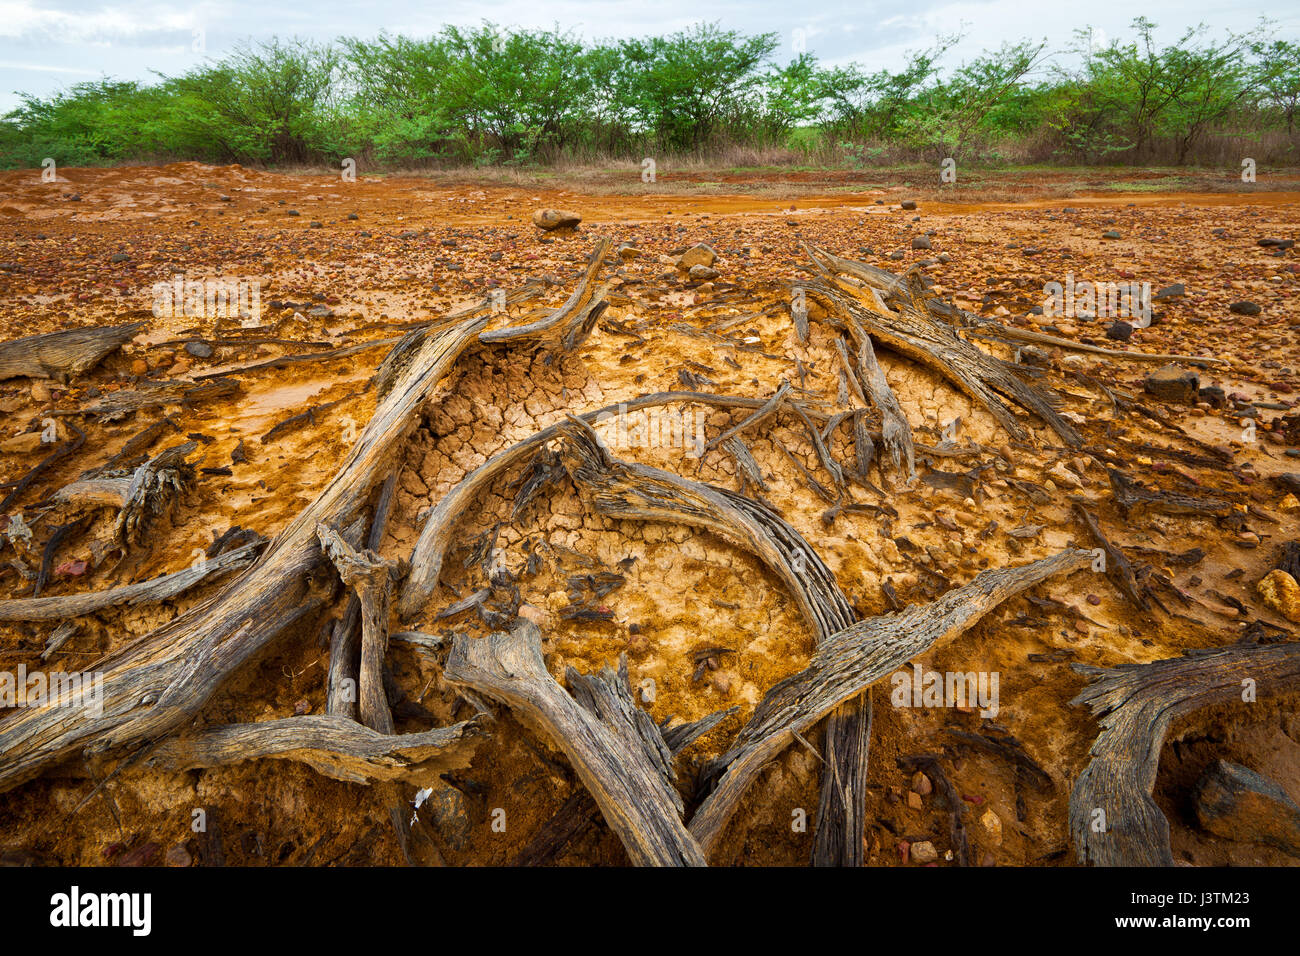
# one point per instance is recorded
(706, 623)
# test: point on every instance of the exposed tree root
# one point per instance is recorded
(847, 665)
(615, 747)
(334, 746)
(1113, 819)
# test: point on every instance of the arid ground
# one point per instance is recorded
(702, 621)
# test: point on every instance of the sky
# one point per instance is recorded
(48, 45)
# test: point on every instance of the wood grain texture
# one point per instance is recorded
(614, 747)
(1113, 819)
(333, 746)
(847, 665)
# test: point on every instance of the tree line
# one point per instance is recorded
(491, 96)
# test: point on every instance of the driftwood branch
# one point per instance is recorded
(615, 748)
(336, 747)
(1113, 819)
(847, 665)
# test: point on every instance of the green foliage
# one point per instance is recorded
(487, 95)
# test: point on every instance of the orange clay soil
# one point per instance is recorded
(342, 264)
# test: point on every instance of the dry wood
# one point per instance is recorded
(436, 535)
(1133, 500)
(576, 311)
(847, 665)
(912, 331)
(159, 589)
(614, 746)
(341, 678)
(151, 490)
(626, 491)
(579, 814)
(1118, 568)
(162, 679)
(62, 355)
(371, 577)
(334, 746)
(1113, 819)
(765, 411)
(895, 431)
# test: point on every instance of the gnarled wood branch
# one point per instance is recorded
(615, 747)
(334, 746)
(848, 664)
(1113, 819)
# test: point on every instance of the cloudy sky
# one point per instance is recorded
(46, 45)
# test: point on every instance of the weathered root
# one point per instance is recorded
(1113, 819)
(847, 665)
(913, 331)
(435, 537)
(579, 814)
(615, 747)
(162, 679)
(61, 355)
(336, 747)
(371, 577)
(630, 491)
(151, 491)
(571, 322)
(144, 592)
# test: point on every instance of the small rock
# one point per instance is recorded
(920, 242)
(1111, 234)
(200, 350)
(1244, 308)
(992, 825)
(1173, 384)
(551, 219)
(1177, 290)
(119, 257)
(450, 817)
(924, 852)
(178, 856)
(701, 254)
(139, 367)
(703, 272)
(909, 204)
(41, 392)
(1280, 592)
(23, 444)
(921, 784)
(303, 706)
(1119, 331)
(914, 800)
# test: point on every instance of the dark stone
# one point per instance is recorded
(199, 350)
(909, 204)
(1244, 308)
(1119, 331)
(1173, 384)
(1171, 292)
